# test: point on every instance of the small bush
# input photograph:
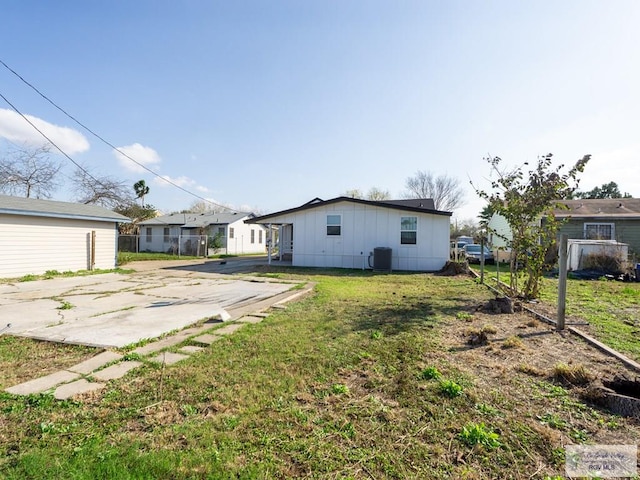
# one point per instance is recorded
(479, 434)
(513, 342)
(431, 373)
(450, 388)
(572, 374)
(340, 389)
(604, 261)
(464, 316)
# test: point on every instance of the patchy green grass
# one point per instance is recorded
(311, 391)
(127, 257)
(612, 308)
(49, 274)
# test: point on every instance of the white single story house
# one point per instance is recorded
(345, 232)
(37, 236)
(184, 231)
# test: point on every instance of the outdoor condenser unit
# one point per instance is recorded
(381, 259)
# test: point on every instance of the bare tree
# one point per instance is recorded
(374, 193)
(29, 172)
(105, 191)
(378, 194)
(445, 191)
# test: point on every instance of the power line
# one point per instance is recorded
(99, 137)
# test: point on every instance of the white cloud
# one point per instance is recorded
(15, 129)
(146, 156)
(202, 189)
(182, 181)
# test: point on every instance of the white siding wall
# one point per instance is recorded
(363, 228)
(241, 241)
(33, 245)
(157, 243)
(499, 231)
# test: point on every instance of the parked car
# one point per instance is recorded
(473, 251)
(452, 252)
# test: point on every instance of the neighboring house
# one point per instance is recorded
(589, 219)
(184, 233)
(37, 236)
(343, 232)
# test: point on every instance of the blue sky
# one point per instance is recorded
(268, 104)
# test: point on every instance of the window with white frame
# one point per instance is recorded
(231, 232)
(334, 225)
(259, 236)
(165, 235)
(149, 234)
(599, 231)
(253, 236)
(408, 230)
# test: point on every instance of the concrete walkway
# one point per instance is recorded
(92, 374)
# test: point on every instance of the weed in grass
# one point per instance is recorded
(50, 274)
(340, 389)
(573, 374)
(376, 334)
(552, 420)
(131, 357)
(487, 409)
(579, 435)
(450, 388)
(64, 305)
(464, 316)
(530, 370)
(479, 434)
(430, 373)
(513, 342)
(490, 329)
(28, 278)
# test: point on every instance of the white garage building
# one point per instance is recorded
(37, 236)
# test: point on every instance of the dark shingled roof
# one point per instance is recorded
(422, 205)
(196, 220)
(600, 207)
(34, 207)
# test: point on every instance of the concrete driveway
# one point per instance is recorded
(114, 310)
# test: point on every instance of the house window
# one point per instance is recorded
(408, 230)
(599, 231)
(221, 231)
(253, 236)
(149, 234)
(259, 236)
(165, 238)
(231, 232)
(334, 224)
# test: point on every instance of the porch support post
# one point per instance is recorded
(270, 232)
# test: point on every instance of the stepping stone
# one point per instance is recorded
(169, 358)
(118, 370)
(43, 384)
(250, 319)
(190, 349)
(206, 339)
(68, 390)
(96, 362)
(164, 343)
(228, 329)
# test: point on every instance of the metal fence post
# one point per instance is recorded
(562, 282)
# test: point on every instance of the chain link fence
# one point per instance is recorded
(188, 245)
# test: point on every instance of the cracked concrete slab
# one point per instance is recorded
(114, 310)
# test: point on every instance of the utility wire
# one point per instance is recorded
(97, 136)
